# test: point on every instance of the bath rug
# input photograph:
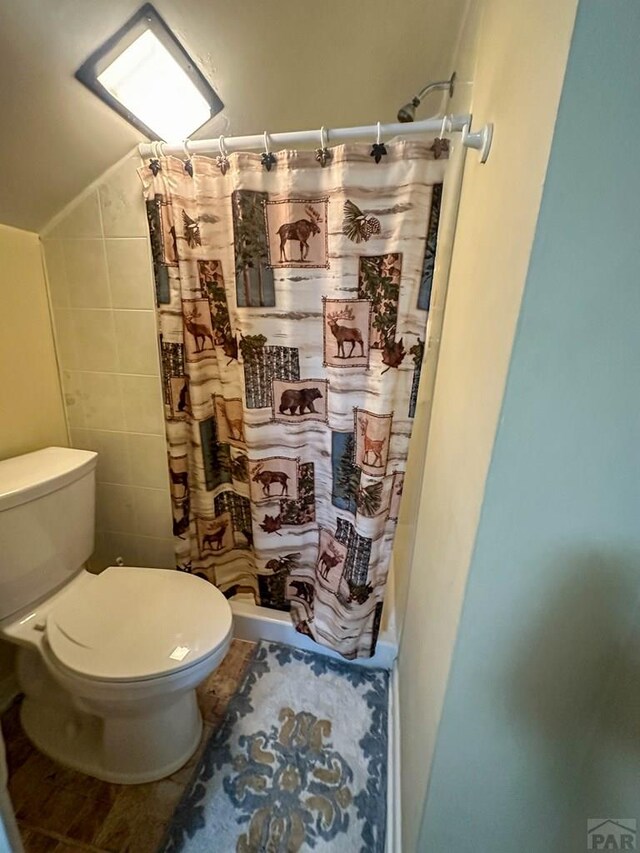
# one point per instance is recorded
(299, 763)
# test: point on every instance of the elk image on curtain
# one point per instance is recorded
(292, 309)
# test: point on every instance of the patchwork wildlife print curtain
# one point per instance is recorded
(293, 294)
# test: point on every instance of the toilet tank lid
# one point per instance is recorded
(32, 475)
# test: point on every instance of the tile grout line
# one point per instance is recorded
(113, 319)
(131, 486)
(87, 239)
(104, 308)
(114, 373)
(137, 535)
(119, 431)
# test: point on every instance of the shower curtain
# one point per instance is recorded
(293, 294)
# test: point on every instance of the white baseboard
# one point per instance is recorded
(394, 812)
(260, 623)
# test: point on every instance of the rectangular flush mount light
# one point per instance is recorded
(145, 75)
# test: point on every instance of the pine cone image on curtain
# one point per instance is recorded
(358, 226)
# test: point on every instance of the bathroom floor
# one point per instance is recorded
(64, 811)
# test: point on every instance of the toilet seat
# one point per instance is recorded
(132, 624)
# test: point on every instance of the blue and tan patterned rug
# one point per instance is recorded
(300, 762)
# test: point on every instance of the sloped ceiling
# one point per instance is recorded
(277, 65)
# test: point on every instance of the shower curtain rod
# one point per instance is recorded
(479, 140)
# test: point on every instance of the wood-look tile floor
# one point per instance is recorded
(62, 811)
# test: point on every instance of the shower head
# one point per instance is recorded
(408, 111)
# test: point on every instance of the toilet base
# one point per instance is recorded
(126, 750)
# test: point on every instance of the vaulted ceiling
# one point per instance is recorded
(277, 65)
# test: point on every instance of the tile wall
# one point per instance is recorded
(101, 283)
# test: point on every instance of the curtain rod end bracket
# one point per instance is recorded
(479, 140)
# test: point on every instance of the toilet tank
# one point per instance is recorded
(47, 512)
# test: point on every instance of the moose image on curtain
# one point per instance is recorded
(292, 310)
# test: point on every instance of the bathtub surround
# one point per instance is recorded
(298, 763)
(101, 286)
(292, 305)
(253, 623)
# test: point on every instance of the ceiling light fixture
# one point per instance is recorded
(144, 74)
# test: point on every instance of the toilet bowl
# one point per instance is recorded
(108, 663)
(109, 667)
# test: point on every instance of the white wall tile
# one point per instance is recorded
(142, 401)
(99, 559)
(65, 338)
(56, 273)
(95, 340)
(101, 281)
(148, 455)
(137, 338)
(134, 550)
(156, 553)
(153, 513)
(112, 545)
(86, 274)
(115, 508)
(102, 401)
(73, 397)
(130, 273)
(122, 202)
(114, 463)
(81, 220)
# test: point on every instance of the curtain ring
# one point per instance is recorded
(440, 144)
(188, 164)
(378, 149)
(222, 160)
(157, 149)
(154, 160)
(267, 159)
(323, 155)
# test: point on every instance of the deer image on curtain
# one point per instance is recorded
(292, 311)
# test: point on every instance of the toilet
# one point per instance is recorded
(108, 663)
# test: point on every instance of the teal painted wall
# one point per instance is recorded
(541, 722)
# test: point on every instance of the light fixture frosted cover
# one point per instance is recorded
(145, 74)
(147, 80)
